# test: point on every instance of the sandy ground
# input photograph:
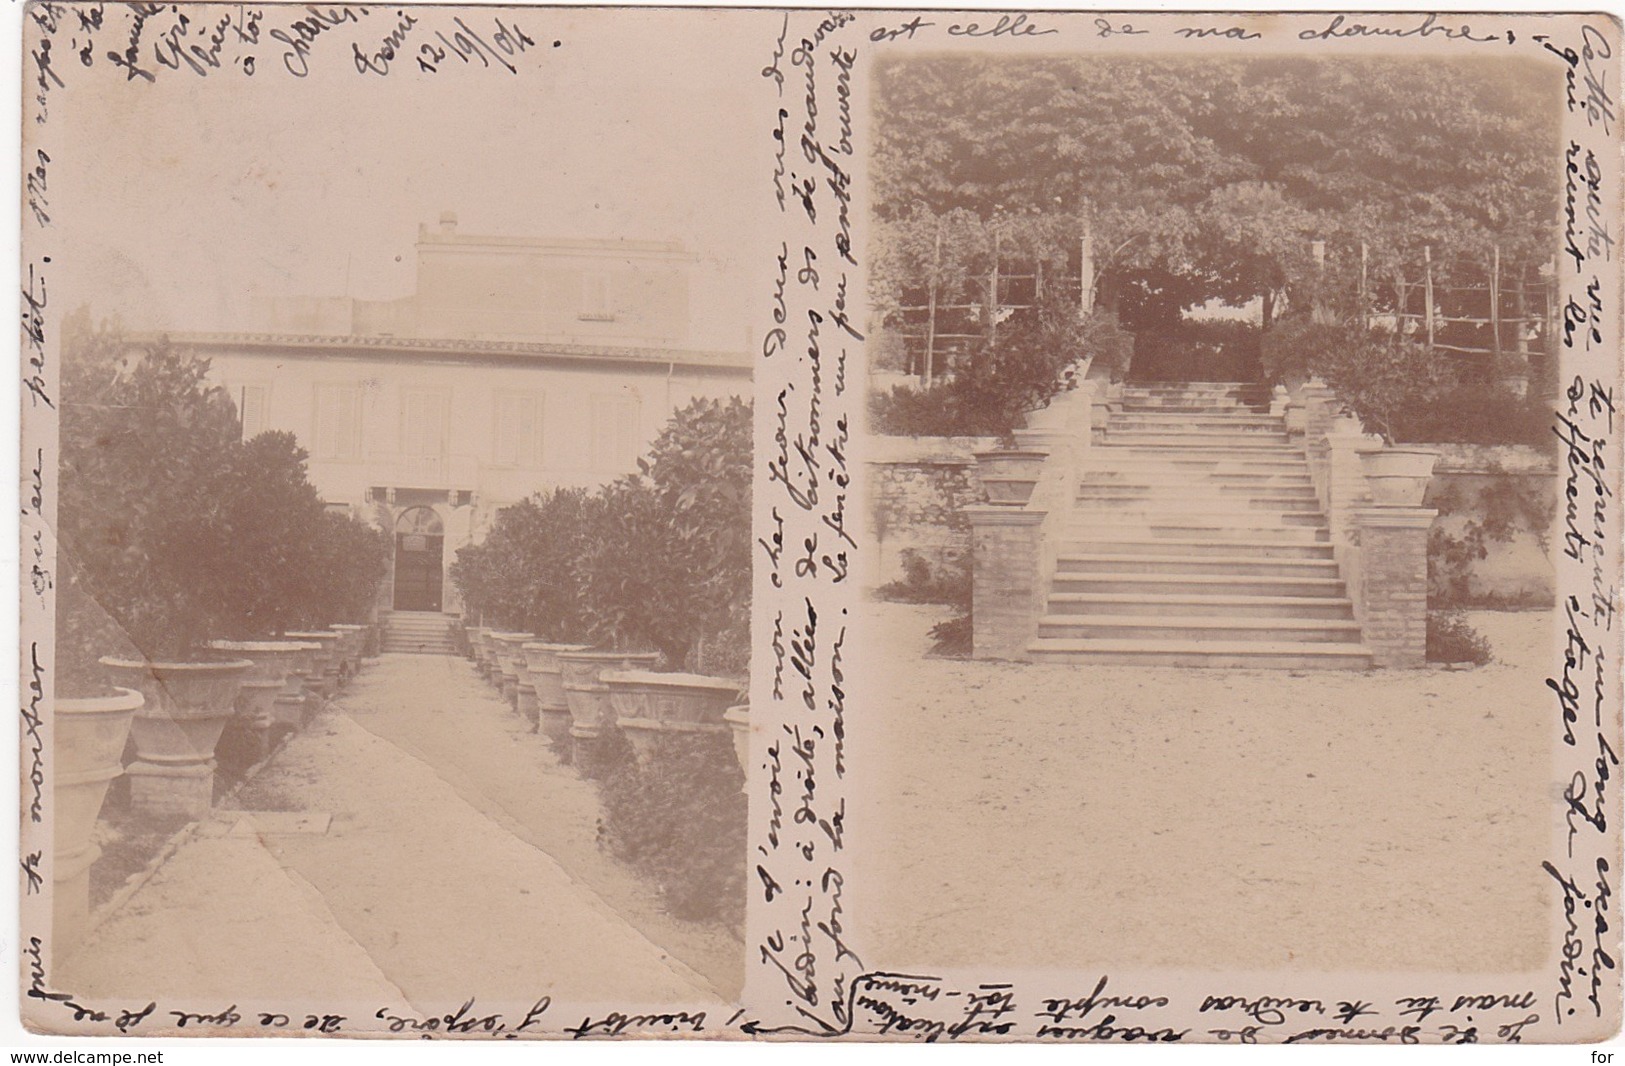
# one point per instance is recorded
(1054, 816)
(418, 846)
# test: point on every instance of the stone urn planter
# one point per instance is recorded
(1399, 477)
(510, 663)
(294, 706)
(186, 707)
(88, 752)
(587, 697)
(487, 657)
(653, 708)
(738, 719)
(354, 643)
(250, 730)
(1008, 475)
(542, 664)
(324, 677)
(459, 636)
(472, 636)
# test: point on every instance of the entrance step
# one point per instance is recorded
(1116, 604)
(1212, 654)
(418, 633)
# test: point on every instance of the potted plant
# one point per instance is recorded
(547, 682)
(651, 706)
(587, 698)
(260, 688)
(1009, 475)
(1380, 379)
(152, 466)
(510, 664)
(1399, 476)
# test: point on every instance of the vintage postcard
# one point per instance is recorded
(721, 523)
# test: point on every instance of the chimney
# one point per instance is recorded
(448, 222)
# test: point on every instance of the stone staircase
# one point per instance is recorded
(1197, 539)
(418, 633)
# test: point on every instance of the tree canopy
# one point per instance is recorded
(1215, 173)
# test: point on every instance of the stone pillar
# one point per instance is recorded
(1392, 592)
(1345, 474)
(1006, 579)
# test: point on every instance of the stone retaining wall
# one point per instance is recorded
(1519, 570)
(919, 487)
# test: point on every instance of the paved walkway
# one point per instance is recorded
(392, 856)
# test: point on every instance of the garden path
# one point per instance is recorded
(413, 847)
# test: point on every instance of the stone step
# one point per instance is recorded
(1159, 441)
(1094, 501)
(1081, 540)
(1257, 565)
(1273, 547)
(1111, 604)
(1193, 515)
(1166, 475)
(1261, 655)
(1188, 428)
(1154, 413)
(1198, 584)
(1199, 628)
(1161, 500)
(1194, 464)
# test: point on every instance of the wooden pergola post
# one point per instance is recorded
(1427, 289)
(1495, 298)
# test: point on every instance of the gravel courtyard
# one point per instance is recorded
(1055, 816)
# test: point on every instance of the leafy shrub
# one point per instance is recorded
(659, 559)
(1401, 388)
(1198, 350)
(1297, 346)
(1477, 414)
(1497, 512)
(175, 531)
(955, 637)
(349, 560)
(1017, 370)
(523, 575)
(146, 465)
(949, 584)
(1452, 640)
(680, 821)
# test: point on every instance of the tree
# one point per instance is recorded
(147, 453)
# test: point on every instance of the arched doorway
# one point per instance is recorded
(419, 550)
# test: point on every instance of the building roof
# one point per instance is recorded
(441, 349)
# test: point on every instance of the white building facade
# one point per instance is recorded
(516, 367)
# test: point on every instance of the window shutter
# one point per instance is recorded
(253, 410)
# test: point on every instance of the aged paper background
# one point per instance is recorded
(889, 900)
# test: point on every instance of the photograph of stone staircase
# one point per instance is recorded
(1196, 539)
(418, 633)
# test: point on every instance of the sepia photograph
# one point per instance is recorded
(630, 523)
(402, 513)
(1215, 482)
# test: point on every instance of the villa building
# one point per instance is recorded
(518, 365)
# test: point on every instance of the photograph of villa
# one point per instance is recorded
(1212, 475)
(398, 482)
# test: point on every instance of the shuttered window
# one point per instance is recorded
(518, 429)
(615, 437)
(251, 403)
(338, 422)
